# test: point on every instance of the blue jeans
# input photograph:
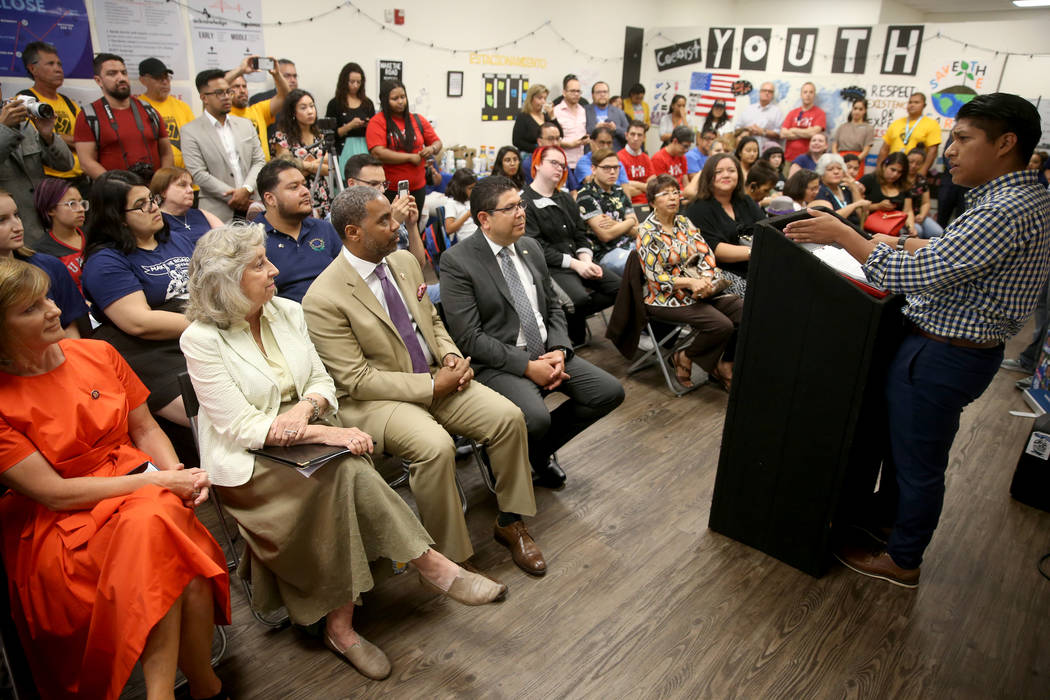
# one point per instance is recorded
(929, 384)
(929, 228)
(616, 259)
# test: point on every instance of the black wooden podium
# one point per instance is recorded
(806, 423)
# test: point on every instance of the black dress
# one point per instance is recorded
(873, 192)
(527, 132)
(716, 226)
(343, 115)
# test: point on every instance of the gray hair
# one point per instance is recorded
(216, 268)
(827, 159)
(349, 207)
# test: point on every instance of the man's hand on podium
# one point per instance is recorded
(822, 227)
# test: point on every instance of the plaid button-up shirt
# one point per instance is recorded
(980, 280)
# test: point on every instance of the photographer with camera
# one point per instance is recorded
(27, 144)
(117, 132)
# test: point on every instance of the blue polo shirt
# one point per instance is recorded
(300, 261)
(694, 160)
(584, 169)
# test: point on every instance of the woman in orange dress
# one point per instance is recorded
(106, 560)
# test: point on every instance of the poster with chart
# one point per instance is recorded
(65, 26)
(503, 96)
(138, 29)
(227, 33)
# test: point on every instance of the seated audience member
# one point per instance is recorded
(173, 188)
(572, 117)
(602, 139)
(1038, 163)
(722, 144)
(296, 134)
(919, 192)
(287, 70)
(156, 78)
(535, 112)
(601, 113)
(802, 123)
(135, 277)
(406, 383)
(553, 218)
(854, 167)
(608, 213)
(696, 156)
(760, 183)
(671, 158)
(856, 135)
(62, 209)
(364, 169)
(261, 114)
(818, 146)
(27, 145)
(887, 188)
(300, 245)
(802, 188)
(774, 155)
(676, 116)
(508, 164)
(636, 108)
(260, 382)
(352, 109)
(503, 313)
(761, 119)
(635, 161)
(718, 120)
(841, 194)
(402, 142)
(913, 130)
(107, 564)
(222, 152)
(746, 153)
(61, 289)
(722, 211)
(117, 132)
(457, 209)
(680, 292)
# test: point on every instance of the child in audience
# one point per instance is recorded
(62, 209)
(457, 208)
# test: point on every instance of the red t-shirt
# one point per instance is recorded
(797, 119)
(664, 162)
(376, 135)
(638, 168)
(72, 258)
(119, 152)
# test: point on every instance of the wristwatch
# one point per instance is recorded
(248, 187)
(901, 240)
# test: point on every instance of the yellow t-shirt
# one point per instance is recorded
(261, 116)
(926, 133)
(64, 123)
(176, 114)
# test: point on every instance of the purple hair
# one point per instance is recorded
(49, 193)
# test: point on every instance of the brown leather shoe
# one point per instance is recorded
(877, 565)
(470, 588)
(367, 658)
(523, 549)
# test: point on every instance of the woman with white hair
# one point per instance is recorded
(260, 382)
(838, 191)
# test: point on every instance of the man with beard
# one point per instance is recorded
(262, 114)
(601, 113)
(117, 132)
(299, 245)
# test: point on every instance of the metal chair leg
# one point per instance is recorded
(486, 471)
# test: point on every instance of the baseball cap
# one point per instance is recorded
(154, 67)
(717, 103)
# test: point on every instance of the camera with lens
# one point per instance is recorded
(327, 126)
(143, 169)
(36, 108)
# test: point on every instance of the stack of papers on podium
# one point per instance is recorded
(839, 260)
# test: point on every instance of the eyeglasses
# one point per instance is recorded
(608, 168)
(228, 92)
(555, 164)
(509, 209)
(145, 205)
(375, 184)
(76, 204)
(668, 193)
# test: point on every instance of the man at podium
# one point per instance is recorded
(966, 294)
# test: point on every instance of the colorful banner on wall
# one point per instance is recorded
(705, 88)
(66, 27)
(504, 96)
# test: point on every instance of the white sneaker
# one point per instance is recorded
(645, 343)
(1014, 366)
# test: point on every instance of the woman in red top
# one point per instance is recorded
(106, 561)
(402, 141)
(62, 209)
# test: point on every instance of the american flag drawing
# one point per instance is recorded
(705, 88)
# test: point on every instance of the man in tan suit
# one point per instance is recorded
(401, 379)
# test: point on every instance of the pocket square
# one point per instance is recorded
(421, 291)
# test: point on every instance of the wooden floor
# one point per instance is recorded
(642, 600)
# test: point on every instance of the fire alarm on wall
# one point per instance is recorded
(399, 16)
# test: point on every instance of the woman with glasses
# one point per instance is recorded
(62, 210)
(686, 286)
(135, 275)
(173, 186)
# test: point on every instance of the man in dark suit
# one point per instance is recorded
(502, 313)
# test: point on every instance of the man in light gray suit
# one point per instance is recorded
(601, 113)
(221, 151)
(501, 310)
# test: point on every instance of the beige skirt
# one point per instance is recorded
(310, 540)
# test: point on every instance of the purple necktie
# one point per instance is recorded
(399, 315)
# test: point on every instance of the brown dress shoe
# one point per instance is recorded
(367, 658)
(523, 549)
(877, 565)
(470, 588)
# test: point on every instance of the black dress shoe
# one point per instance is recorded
(550, 477)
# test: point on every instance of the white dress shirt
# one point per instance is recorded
(527, 282)
(229, 144)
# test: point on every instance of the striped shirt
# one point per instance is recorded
(980, 281)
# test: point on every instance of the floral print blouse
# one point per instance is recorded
(321, 195)
(664, 256)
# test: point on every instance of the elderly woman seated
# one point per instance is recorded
(685, 285)
(107, 563)
(260, 382)
(838, 190)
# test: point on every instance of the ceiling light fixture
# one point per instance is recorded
(1032, 3)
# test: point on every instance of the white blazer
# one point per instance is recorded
(237, 391)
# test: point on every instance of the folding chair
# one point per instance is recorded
(189, 399)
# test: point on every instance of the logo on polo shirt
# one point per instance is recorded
(316, 244)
